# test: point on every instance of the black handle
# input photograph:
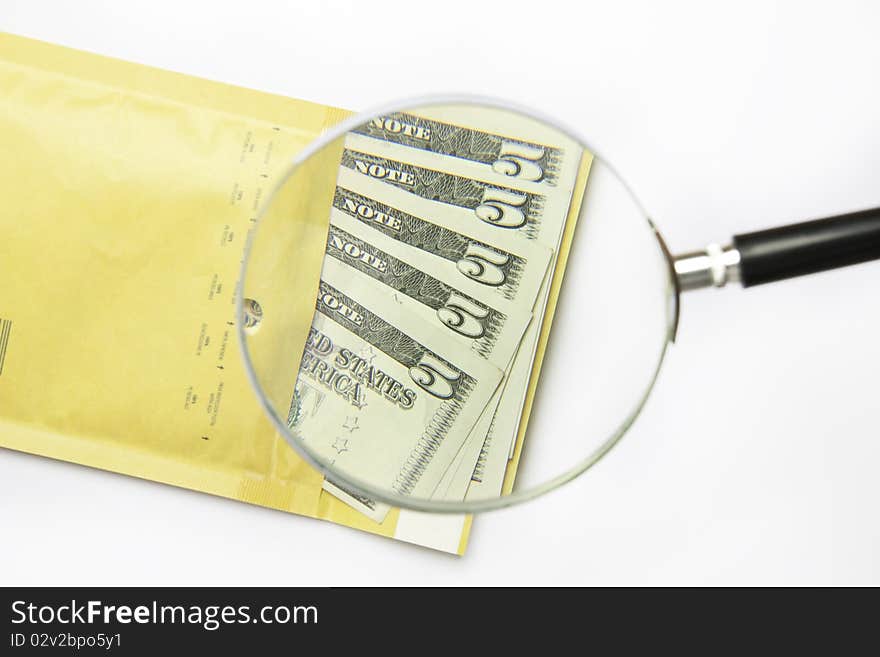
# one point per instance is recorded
(808, 247)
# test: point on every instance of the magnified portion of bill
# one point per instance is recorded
(456, 235)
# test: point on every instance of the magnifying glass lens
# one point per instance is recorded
(452, 306)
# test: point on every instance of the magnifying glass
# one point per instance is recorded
(488, 303)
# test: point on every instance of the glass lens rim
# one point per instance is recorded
(445, 506)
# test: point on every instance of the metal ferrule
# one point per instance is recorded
(714, 267)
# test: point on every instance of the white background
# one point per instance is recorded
(755, 461)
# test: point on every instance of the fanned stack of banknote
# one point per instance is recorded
(445, 227)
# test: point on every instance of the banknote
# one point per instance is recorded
(461, 252)
(448, 164)
(507, 156)
(502, 207)
(466, 468)
(376, 404)
(489, 472)
(491, 331)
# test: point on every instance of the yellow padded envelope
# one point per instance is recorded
(127, 197)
